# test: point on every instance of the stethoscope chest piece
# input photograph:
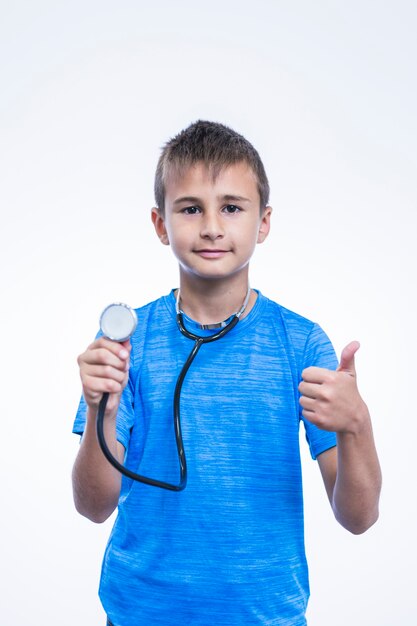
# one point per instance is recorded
(118, 321)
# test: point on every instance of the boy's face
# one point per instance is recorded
(213, 226)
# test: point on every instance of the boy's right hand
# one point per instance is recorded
(104, 367)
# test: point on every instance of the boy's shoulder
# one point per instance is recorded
(289, 317)
(161, 306)
(304, 335)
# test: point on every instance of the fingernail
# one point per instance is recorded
(123, 354)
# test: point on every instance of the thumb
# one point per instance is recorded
(347, 358)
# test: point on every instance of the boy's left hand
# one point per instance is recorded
(330, 399)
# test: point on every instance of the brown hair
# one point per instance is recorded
(217, 146)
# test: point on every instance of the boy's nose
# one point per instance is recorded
(211, 227)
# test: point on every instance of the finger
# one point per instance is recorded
(309, 390)
(103, 356)
(308, 404)
(347, 358)
(309, 415)
(105, 372)
(122, 350)
(97, 385)
(317, 375)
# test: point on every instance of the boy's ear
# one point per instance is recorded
(159, 225)
(265, 224)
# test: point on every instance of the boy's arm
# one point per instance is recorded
(96, 484)
(351, 472)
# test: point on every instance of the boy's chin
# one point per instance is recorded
(214, 275)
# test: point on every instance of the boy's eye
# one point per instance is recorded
(191, 210)
(231, 208)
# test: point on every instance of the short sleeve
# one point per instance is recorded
(318, 352)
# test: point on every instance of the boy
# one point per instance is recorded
(228, 549)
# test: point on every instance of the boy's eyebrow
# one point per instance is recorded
(188, 199)
(225, 198)
(233, 198)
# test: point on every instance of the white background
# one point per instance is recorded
(89, 92)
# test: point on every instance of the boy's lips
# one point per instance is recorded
(209, 253)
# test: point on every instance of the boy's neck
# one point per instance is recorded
(210, 302)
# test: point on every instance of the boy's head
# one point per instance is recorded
(214, 145)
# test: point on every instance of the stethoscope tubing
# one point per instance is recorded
(198, 342)
(116, 464)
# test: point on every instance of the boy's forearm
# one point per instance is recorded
(358, 482)
(96, 484)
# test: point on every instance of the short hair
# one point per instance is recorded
(214, 144)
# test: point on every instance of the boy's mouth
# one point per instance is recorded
(209, 253)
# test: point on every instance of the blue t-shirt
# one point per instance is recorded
(229, 549)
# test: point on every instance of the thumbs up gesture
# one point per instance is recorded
(347, 358)
(330, 399)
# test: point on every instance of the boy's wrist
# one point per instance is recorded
(111, 409)
(359, 425)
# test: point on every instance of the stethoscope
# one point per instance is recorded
(118, 322)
